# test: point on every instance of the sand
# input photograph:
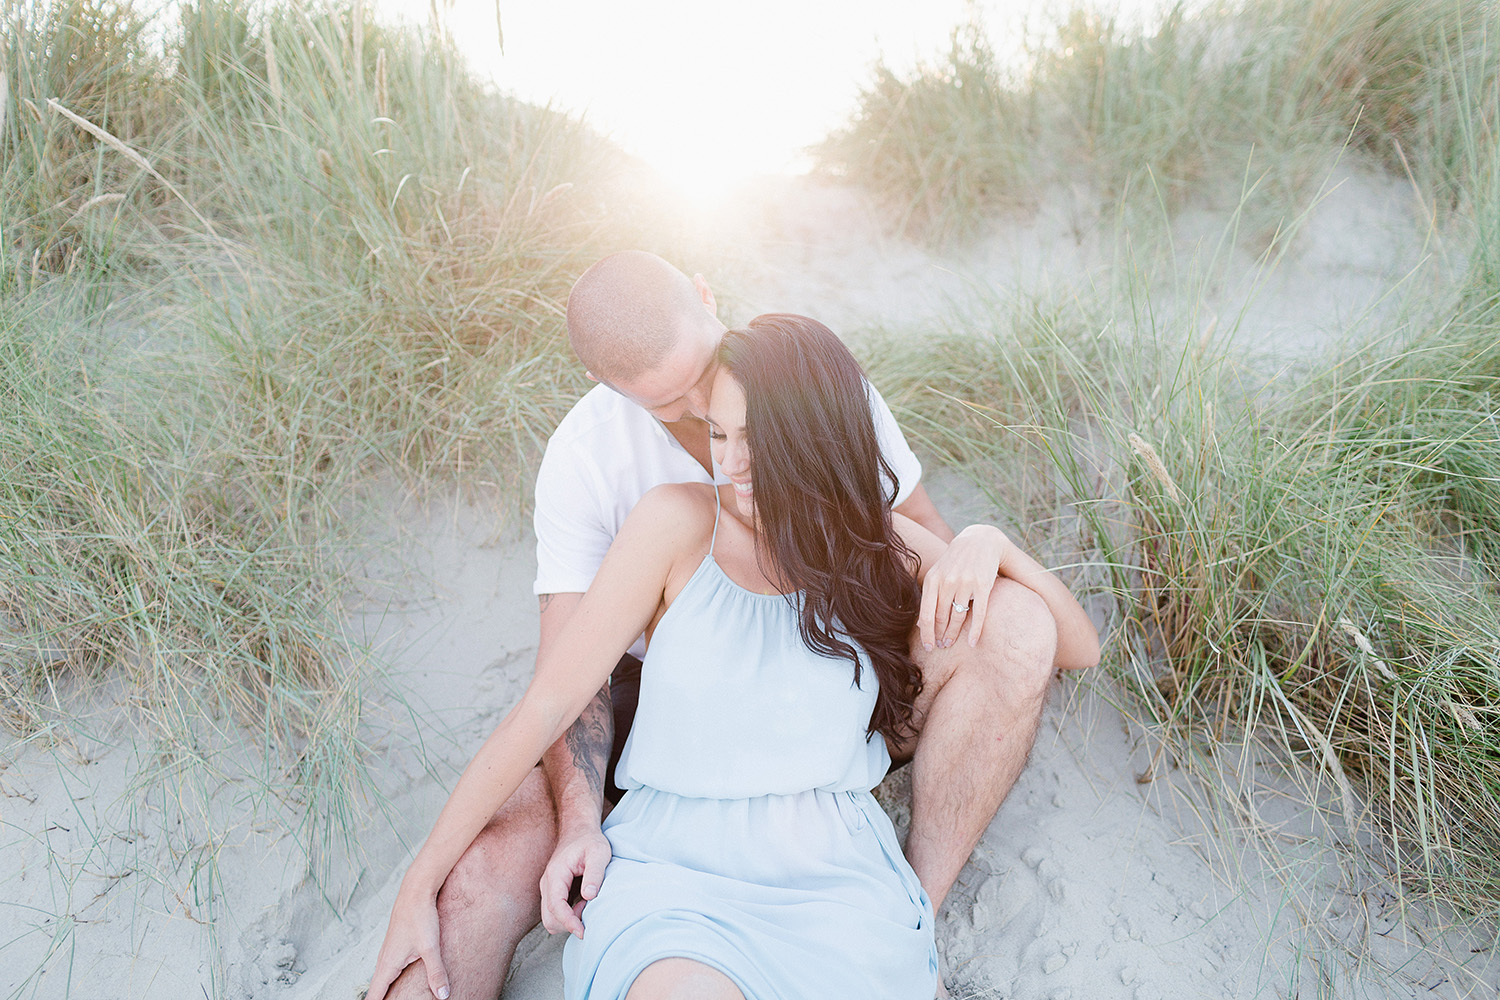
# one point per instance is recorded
(1113, 870)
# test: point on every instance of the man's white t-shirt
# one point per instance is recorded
(606, 454)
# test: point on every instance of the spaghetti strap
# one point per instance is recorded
(717, 506)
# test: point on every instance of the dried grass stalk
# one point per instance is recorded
(273, 72)
(109, 198)
(357, 30)
(1158, 468)
(1364, 645)
(382, 95)
(124, 149)
(554, 194)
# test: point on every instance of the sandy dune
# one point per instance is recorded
(1112, 870)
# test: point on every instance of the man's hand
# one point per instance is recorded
(412, 934)
(958, 586)
(583, 856)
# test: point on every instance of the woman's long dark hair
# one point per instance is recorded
(822, 503)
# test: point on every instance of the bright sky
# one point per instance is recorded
(714, 92)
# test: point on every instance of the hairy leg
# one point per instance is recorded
(491, 898)
(682, 979)
(978, 714)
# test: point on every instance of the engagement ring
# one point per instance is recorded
(961, 607)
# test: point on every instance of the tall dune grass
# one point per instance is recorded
(1311, 555)
(1308, 557)
(1185, 109)
(249, 258)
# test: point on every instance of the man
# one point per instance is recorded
(986, 646)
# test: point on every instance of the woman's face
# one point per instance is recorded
(728, 440)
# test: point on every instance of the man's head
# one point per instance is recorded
(648, 331)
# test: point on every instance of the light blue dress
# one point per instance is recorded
(748, 838)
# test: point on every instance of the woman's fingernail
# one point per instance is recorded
(927, 646)
(442, 993)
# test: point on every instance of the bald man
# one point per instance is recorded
(649, 335)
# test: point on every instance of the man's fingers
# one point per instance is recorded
(554, 915)
(559, 917)
(550, 919)
(555, 910)
(595, 860)
(437, 976)
(563, 919)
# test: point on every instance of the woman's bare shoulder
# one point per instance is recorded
(686, 499)
(675, 514)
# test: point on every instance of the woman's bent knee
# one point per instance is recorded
(682, 979)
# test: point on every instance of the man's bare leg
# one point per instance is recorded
(979, 711)
(491, 898)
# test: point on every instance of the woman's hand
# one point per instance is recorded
(585, 855)
(958, 586)
(411, 934)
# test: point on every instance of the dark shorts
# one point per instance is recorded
(625, 694)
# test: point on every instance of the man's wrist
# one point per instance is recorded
(577, 819)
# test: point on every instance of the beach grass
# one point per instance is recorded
(1298, 553)
(252, 259)
(1307, 555)
(258, 256)
(1196, 106)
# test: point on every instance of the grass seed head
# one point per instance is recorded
(382, 95)
(273, 72)
(1158, 468)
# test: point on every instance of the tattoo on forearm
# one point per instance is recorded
(590, 739)
(545, 601)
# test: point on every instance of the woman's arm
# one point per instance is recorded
(617, 608)
(991, 554)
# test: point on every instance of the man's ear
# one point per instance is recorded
(706, 294)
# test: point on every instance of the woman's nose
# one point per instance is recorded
(735, 459)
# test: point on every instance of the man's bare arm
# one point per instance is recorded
(576, 765)
(577, 768)
(919, 507)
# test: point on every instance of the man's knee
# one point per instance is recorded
(1019, 636)
(501, 869)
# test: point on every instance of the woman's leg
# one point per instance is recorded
(682, 979)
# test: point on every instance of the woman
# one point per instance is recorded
(750, 859)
